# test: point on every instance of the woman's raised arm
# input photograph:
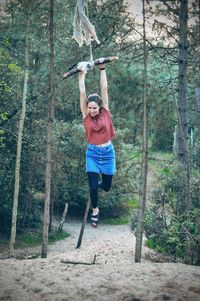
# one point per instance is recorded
(104, 87)
(83, 97)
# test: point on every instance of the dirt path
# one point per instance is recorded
(114, 277)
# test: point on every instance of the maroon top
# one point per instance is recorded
(99, 129)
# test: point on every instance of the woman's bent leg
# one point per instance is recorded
(106, 182)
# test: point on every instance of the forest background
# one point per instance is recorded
(172, 220)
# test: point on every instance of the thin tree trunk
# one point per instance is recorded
(183, 153)
(19, 143)
(83, 224)
(51, 213)
(63, 217)
(187, 163)
(143, 180)
(182, 95)
(49, 138)
(54, 193)
(181, 107)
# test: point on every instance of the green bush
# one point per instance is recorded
(166, 224)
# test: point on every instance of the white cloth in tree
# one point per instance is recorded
(84, 31)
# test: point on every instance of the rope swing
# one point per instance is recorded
(84, 31)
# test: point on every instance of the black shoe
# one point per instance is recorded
(94, 220)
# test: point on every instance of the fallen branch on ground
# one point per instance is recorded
(79, 262)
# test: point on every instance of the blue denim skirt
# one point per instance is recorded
(100, 159)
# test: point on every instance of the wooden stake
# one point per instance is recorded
(83, 224)
(63, 218)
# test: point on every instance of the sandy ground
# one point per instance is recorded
(113, 277)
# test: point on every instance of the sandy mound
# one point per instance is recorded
(114, 276)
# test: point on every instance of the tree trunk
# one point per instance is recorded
(49, 138)
(183, 154)
(186, 198)
(182, 95)
(51, 213)
(63, 218)
(19, 143)
(143, 180)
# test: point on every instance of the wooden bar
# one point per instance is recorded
(91, 64)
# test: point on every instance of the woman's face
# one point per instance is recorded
(93, 108)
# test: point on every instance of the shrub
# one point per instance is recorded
(166, 224)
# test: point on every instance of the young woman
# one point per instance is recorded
(100, 154)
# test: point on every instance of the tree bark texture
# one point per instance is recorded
(49, 137)
(182, 82)
(144, 167)
(183, 154)
(63, 217)
(19, 143)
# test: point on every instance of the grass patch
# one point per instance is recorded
(157, 159)
(151, 244)
(32, 239)
(162, 156)
(122, 220)
(160, 162)
(132, 203)
(57, 235)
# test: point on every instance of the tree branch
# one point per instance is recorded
(80, 262)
